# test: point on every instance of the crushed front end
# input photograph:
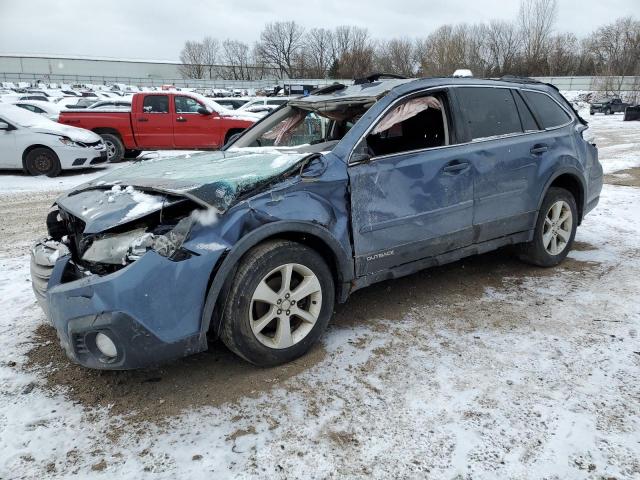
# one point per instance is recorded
(124, 291)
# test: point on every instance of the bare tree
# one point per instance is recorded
(210, 52)
(237, 58)
(318, 47)
(563, 54)
(536, 19)
(279, 43)
(527, 46)
(357, 57)
(396, 56)
(192, 58)
(502, 44)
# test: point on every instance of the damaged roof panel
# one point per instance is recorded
(353, 93)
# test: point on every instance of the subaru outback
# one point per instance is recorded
(330, 193)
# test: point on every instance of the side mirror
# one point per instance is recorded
(204, 111)
(4, 126)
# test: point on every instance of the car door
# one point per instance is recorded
(504, 158)
(8, 155)
(192, 129)
(411, 195)
(153, 123)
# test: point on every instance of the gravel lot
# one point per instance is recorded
(485, 368)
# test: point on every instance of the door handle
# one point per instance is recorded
(539, 148)
(143, 119)
(181, 119)
(455, 167)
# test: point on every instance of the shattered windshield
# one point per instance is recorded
(303, 130)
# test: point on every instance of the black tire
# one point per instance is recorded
(607, 111)
(534, 252)
(257, 264)
(115, 148)
(42, 161)
(132, 153)
(591, 112)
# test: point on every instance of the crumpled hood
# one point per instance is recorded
(74, 133)
(212, 179)
(102, 209)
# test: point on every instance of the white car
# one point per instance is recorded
(47, 109)
(264, 104)
(31, 142)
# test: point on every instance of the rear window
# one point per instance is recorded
(548, 111)
(488, 112)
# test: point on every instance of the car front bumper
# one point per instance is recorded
(151, 309)
(81, 157)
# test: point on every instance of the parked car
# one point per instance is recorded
(608, 107)
(78, 103)
(22, 96)
(39, 146)
(48, 109)
(113, 104)
(162, 121)
(232, 103)
(260, 103)
(343, 188)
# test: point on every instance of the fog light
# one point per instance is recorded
(106, 345)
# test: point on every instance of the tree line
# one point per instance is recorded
(529, 45)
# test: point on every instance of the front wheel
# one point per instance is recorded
(555, 229)
(279, 303)
(115, 148)
(43, 161)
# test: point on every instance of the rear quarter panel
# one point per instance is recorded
(98, 120)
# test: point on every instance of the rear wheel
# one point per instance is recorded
(607, 111)
(43, 161)
(279, 304)
(115, 148)
(555, 229)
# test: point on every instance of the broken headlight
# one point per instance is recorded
(121, 248)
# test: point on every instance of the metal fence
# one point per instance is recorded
(34, 78)
(618, 84)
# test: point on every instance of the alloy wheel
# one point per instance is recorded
(111, 149)
(43, 163)
(285, 306)
(558, 224)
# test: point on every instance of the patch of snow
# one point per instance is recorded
(211, 246)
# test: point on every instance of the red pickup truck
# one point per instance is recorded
(161, 121)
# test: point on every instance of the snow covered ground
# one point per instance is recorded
(484, 369)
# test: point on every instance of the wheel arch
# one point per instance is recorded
(108, 130)
(572, 180)
(312, 235)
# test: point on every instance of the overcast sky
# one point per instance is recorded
(157, 29)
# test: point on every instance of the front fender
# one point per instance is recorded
(344, 262)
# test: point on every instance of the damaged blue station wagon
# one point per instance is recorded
(348, 186)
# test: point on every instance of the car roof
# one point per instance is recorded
(374, 90)
(40, 103)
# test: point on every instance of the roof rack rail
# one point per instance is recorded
(374, 77)
(517, 79)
